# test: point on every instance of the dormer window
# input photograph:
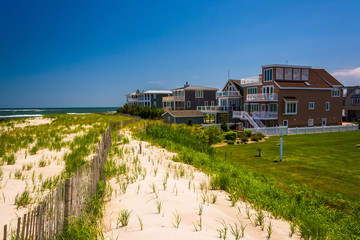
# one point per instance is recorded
(305, 74)
(296, 74)
(268, 75)
(288, 74)
(279, 73)
(335, 92)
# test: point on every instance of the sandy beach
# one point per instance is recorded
(187, 195)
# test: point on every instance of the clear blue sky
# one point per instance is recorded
(91, 53)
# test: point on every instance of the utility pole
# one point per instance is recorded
(281, 149)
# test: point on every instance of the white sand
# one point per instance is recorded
(30, 122)
(177, 197)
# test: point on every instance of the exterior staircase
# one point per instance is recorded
(245, 116)
(259, 122)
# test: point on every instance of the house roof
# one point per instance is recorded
(193, 87)
(150, 92)
(318, 78)
(185, 113)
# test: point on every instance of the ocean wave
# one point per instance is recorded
(21, 110)
(111, 111)
(20, 116)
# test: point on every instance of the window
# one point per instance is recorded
(188, 104)
(279, 73)
(263, 107)
(310, 122)
(327, 106)
(268, 75)
(155, 104)
(285, 123)
(182, 93)
(246, 107)
(154, 96)
(355, 101)
(212, 103)
(291, 108)
(288, 73)
(273, 107)
(311, 105)
(335, 92)
(206, 103)
(305, 74)
(252, 90)
(323, 121)
(357, 92)
(254, 107)
(199, 94)
(296, 74)
(268, 91)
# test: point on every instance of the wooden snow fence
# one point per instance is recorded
(68, 199)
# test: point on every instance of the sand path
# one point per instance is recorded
(183, 195)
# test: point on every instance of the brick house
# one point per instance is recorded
(147, 98)
(189, 98)
(352, 104)
(292, 96)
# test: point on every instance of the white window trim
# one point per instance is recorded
(313, 105)
(297, 69)
(337, 91)
(272, 71)
(206, 103)
(287, 122)
(291, 75)
(310, 122)
(308, 73)
(282, 74)
(188, 104)
(326, 106)
(268, 87)
(200, 93)
(212, 103)
(286, 104)
(322, 121)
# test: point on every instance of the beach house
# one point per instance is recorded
(351, 108)
(147, 98)
(190, 97)
(292, 95)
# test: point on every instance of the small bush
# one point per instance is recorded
(260, 135)
(237, 142)
(190, 122)
(214, 134)
(10, 160)
(231, 136)
(248, 133)
(254, 138)
(230, 142)
(224, 127)
(244, 139)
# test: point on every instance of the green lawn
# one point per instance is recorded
(329, 162)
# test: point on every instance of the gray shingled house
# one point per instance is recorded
(183, 116)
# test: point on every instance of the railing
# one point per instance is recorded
(245, 116)
(264, 115)
(283, 130)
(173, 98)
(218, 108)
(228, 94)
(262, 97)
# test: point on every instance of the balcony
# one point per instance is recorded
(218, 109)
(227, 94)
(173, 98)
(264, 115)
(262, 97)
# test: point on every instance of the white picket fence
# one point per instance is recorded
(283, 130)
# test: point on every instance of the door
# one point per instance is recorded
(324, 121)
(285, 123)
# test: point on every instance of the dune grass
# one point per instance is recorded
(317, 215)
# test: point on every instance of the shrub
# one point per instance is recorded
(231, 136)
(233, 127)
(248, 133)
(23, 199)
(224, 127)
(260, 135)
(190, 122)
(214, 134)
(254, 138)
(10, 160)
(244, 139)
(231, 142)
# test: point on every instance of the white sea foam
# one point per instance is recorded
(78, 113)
(111, 111)
(19, 116)
(21, 110)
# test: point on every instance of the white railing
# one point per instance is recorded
(264, 115)
(262, 97)
(228, 94)
(218, 108)
(283, 130)
(245, 116)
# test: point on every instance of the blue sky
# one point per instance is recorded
(91, 53)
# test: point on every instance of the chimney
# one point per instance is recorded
(186, 85)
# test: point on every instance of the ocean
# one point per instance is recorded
(6, 113)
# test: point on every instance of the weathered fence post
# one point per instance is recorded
(18, 228)
(67, 200)
(23, 226)
(5, 231)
